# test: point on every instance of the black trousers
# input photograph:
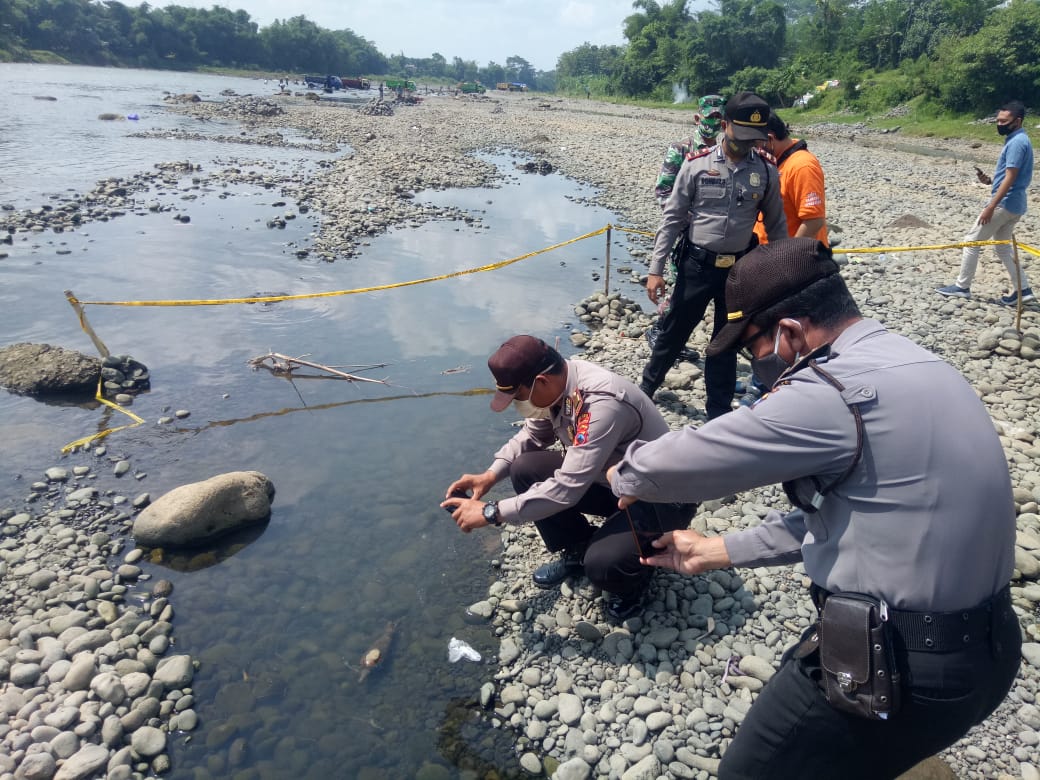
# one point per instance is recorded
(791, 732)
(611, 558)
(695, 287)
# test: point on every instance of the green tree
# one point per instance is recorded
(491, 74)
(519, 69)
(997, 64)
(656, 47)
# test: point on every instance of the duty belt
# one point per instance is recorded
(939, 632)
(710, 259)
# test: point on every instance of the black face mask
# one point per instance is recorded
(1004, 129)
(739, 148)
(770, 368)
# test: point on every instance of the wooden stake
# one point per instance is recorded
(78, 308)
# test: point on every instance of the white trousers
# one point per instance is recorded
(999, 228)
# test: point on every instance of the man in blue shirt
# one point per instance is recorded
(1006, 206)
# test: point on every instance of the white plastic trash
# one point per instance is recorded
(459, 650)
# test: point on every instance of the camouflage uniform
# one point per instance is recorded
(706, 129)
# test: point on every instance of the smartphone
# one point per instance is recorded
(645, 525)
(450, 509)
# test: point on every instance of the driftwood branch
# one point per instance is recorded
(284, 365)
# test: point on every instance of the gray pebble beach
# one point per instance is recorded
(91, 686)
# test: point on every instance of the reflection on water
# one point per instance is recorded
(59, 146)
(356, 537)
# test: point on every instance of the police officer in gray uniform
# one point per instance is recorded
(903, 519)
(595, 415)
(716, 199)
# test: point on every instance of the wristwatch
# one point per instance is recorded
(491, 513)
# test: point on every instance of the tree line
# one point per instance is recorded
(177, 37)
(962, 55)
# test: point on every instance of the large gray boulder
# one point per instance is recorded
(195, 513)
(42, 369)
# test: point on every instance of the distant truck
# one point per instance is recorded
(511, 86)
(406, 84)
(327, 82)
(355, 83)
(469, 87)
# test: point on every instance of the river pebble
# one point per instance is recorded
(660, 695)
(72, 671)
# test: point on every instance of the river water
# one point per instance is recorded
(279, 620)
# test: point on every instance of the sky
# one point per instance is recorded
(482, 30)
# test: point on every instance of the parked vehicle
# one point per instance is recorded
(470, 87)
(358, 83)
(406, 84)
(326, 82)
(511, 86)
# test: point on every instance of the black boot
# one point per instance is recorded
(569, 564)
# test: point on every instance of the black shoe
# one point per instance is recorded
(689, 355)
(551, 574)
(621, 607)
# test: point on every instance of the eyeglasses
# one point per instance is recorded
(744, 348)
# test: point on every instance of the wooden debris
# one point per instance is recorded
(284, 365)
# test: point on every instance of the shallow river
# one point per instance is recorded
(280, 620)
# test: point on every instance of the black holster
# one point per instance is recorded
(859, 670)
(681, 247)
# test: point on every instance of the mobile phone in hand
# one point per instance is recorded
(450, 509)
(645, 525)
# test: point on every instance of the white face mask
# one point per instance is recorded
(531, 412)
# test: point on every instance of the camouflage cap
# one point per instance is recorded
(711, 104)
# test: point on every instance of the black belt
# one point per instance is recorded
(939, 632)
(710, 259)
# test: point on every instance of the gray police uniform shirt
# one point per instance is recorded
(926, 520)
(720, 200)
(599, 415)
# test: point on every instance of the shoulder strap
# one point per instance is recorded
(822, 490)
(769, 179)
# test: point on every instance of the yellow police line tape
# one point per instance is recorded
(488, 267)
(334, 293)
(877, 250)
(75, 303)
(83, 442)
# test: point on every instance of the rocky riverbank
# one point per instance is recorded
(89, 689)
(660, 695)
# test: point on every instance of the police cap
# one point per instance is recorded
(747, 114)
(517, 362)
(764, 277)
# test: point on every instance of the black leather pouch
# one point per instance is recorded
(859, 671)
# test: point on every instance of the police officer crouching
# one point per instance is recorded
(714, 203)
(905, 525)
(595, 415)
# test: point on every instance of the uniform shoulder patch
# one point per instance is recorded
(581, 432)
(701, 153)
